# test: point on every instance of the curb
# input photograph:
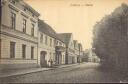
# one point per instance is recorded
(38, 71)
(25, 73)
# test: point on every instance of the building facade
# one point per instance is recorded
(92, 56)
(19, 39)
(51, 49)
(80, 52)
(76, 49)
(46, 44)
(60, 52)
(85, 55)
(70, 57)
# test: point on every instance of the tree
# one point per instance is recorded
(110, 38)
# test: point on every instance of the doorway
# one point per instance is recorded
(43, 61)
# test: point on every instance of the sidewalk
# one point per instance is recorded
(21, 71)
(15, 72)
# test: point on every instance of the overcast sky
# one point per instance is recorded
(74, 16)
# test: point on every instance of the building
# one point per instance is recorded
(28, 41)
(19, 38)
(50, 47)
(46, 44)
(80, 52)
(85, 55)
(76, 49)
(70, 52)
(92, 57)
(60, 51)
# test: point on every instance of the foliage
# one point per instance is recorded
(110, 38)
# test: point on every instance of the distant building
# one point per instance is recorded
(80, 52)
(85, 55)
(46, 46)
(76, 49)
(19, 38)
(92, 56)
(60, 51)
(51, 48)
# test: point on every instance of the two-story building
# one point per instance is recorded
(60, 51)
(19, 38)
(50, 47)
(46, 44)
(80, 52)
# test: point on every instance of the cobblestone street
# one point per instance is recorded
(83, 73)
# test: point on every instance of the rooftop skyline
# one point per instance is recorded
(74, 16)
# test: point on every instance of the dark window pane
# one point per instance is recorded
(32, 30)
(32, 52)
(23, 51)
(24, 25)
(12, 49)
(13, 20)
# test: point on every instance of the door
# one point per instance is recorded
(60, 59)
(43, 62)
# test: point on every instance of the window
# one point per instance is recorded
(46, 40)
(12, 49)
(23, 51)
(32, 52)
(13, 20)
(50, 42)
(24, 25)
(41, 38)
(32, 30)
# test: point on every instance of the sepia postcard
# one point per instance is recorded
(64, 41)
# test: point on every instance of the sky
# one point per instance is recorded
(75, 16)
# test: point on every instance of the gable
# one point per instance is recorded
(71, 44)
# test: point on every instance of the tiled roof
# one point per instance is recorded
(45, 28)
(48, 30)
(32, 9)
(65, 37)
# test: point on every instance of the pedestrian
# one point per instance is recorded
(50, 62)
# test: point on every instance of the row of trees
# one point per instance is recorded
(111, 39)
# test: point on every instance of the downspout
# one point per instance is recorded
(0, 26)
